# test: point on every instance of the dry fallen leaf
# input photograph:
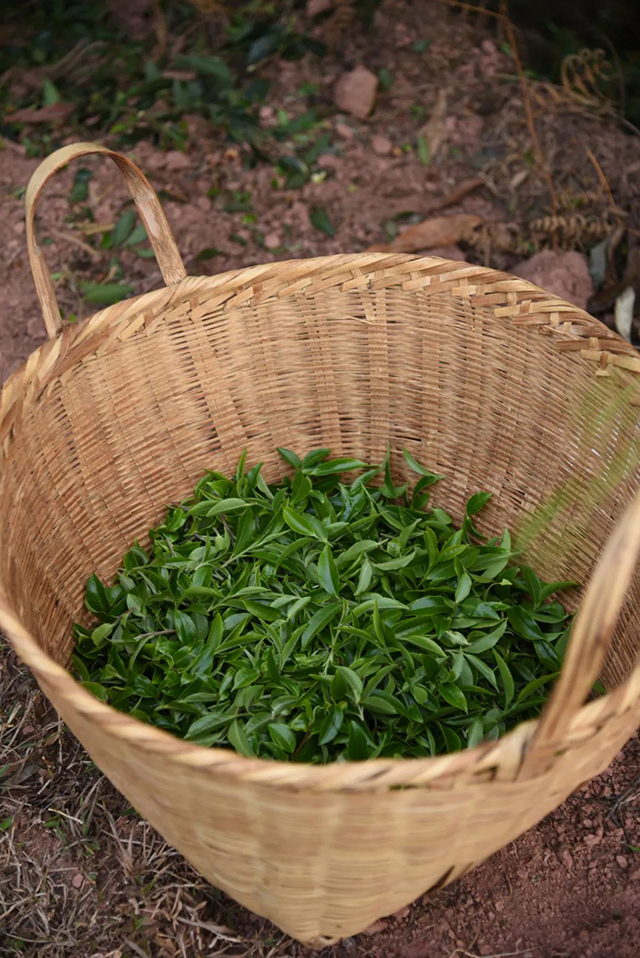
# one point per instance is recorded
(457, 193)
(54, 113)
(435, 129)
(624, 312)
(376, 928)
(438, 231)
(402, 913)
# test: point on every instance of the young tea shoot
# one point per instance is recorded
(323, 618)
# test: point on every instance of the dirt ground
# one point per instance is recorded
(80, 875)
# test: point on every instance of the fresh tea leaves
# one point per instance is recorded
(322, 619)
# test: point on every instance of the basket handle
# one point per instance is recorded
(148, 206)
(590, 641)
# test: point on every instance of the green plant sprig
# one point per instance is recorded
(321, 620)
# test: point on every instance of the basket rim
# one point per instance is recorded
(483, 761)
(526, 304)
(511, 298)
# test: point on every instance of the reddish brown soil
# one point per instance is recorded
(569, 888)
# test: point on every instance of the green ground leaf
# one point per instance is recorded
(105, 294)
(320, 220)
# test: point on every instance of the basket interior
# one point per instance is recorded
(127, 424)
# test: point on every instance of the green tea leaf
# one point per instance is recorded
(364, 579)
(464, 587)
(327, 572)
(331, 725)
(453, 695)
(425, 643)
(100, 634)
(289, 457)
(452, 740)
(96, 597)
(333, 466)
(533, 584)
(224, 506)
(487, 641)
(207, 723)
(282, 736)
(550, 588)
(506, 676)
(477, 502)
(318, 619)
(358, 747)
(299, 522)
(239, 739)
(96, 689)
(318, 622)
(391, 565)
(475, 733)
(524, 624)
(346, 681)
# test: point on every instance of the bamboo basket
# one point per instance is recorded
(493, 382)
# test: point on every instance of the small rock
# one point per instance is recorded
(355, 92)
(565, 859)
(622, 861)
(591, 840)
(448, 252)
(315, 7)
(78, 880)
(374, 929)
(402, 913)
(198, 128)
(329, 161)
(381, 144)
(177, 160)
(344, 131)
(565, 274)
(273, 240)
(35, 328)
(635, 875)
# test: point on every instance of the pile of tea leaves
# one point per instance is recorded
(318, 619)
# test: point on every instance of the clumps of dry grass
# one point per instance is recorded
(81, 875)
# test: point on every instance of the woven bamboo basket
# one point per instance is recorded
(488, 379)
